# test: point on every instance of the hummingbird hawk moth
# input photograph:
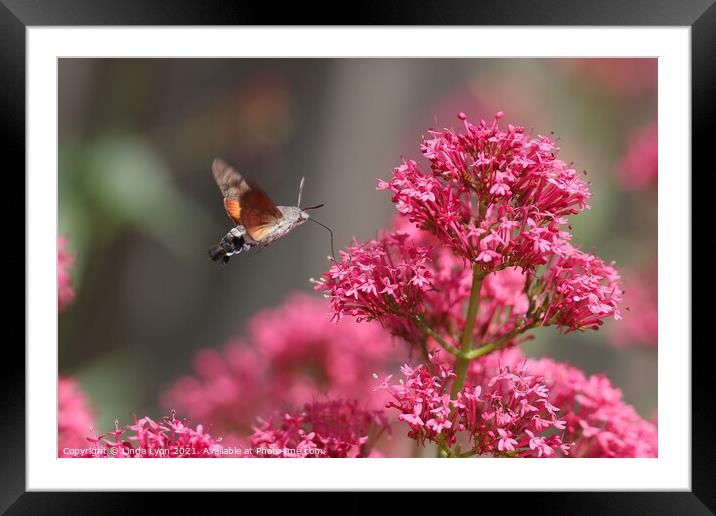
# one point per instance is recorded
(258, 221)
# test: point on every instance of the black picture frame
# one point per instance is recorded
(17, 15)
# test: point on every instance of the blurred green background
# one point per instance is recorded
(139, 207)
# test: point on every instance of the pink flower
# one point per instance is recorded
(575, 291)
(503, 302)
(379, 279)
(506, 414)
(440, 303)
(65, 292)
(492, 210)
(498, 198)
(596, 420)
(623, 76)
(336, 428)
(641, 317)
(148, 439)
(639, 167)
(580, 290)
(224, 391)
(292, 355)
(75, 418)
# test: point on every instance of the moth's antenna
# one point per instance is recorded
(300, 191)
(333, 252)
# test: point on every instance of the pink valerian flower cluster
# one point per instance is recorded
(65, 292)
(641, 317)
(503, 299)
(419, 278)
(497, 198)
(508, 414)
(575, 291)
(378, 279)
(148, 439)
(75, 417)
(598, 421)
(292, 355)
(335, 428)
(639, 168)
(581, 290)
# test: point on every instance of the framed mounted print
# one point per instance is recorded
(385, 246)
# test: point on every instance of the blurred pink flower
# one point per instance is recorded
(65, 292)
(75, 417)
(639, 168)
(228, 389)
(335, 428)
(598, 421)
(302, 347)
(498, 198)
(506, 413)
(614, 75)
(641, 317)
(148, 439)
(293, 354)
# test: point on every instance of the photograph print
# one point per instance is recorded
(357, 258)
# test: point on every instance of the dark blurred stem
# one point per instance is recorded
(466, 342)
(424, 349)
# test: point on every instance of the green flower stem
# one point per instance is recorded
(499, 343)
(466, 341)
(431, 333)
(466, 354)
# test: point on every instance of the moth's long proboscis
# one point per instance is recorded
(333, 251)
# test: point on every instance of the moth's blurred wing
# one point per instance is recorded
(259, 233)
(232, 186)
(233, 209)
(258, 214)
